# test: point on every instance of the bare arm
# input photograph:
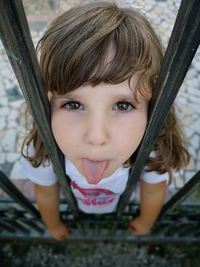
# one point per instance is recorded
(152, 199)
(47, 199)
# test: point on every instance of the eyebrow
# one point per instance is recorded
(118, 97)
(52, 100)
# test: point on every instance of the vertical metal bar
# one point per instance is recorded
(182, 46)
(182, 194)
(16, 39)
(15, 194)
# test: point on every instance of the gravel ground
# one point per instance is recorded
(98, 254)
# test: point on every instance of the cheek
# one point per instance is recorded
(56, 126)
(60, 132)
(133, 135)
(66, 133)
(132, 140)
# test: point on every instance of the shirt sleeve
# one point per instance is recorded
(154, 177)
(41, 175)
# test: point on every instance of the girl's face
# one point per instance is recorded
(99, 128)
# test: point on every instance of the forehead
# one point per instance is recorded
(125, 90)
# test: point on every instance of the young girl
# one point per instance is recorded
(99, 65)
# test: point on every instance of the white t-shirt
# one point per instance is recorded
(99, 198)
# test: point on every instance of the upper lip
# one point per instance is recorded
(96, 160)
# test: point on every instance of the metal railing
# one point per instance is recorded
(180, 224)
(19, 219)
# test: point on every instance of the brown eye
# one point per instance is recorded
(73, 105)
(124, 106)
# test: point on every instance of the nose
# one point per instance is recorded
(97, 131)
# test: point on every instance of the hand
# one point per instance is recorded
(138, 226)
(61, 232)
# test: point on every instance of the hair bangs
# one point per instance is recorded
(87, 51)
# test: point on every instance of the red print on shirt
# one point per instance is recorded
(93, 197)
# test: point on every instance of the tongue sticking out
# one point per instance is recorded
(94, 170)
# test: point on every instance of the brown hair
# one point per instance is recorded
(77, 42)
